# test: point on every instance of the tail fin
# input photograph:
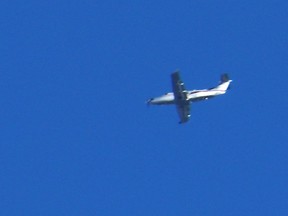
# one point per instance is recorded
(224, 83)
(224, 78)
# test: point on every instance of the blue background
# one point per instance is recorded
(76, 137)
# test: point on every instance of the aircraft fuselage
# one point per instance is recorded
(192, 96)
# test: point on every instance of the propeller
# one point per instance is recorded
(148, 102)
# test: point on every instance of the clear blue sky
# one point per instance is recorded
(76, 137)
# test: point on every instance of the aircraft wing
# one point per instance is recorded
(183, 112)
(180, 97)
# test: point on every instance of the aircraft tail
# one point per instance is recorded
(224, 78)
(224, 83)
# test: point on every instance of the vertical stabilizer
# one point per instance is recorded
(224, 83)
(224, 78)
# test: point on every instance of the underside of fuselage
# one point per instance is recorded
(193, 96)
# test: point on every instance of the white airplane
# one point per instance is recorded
(182, 97)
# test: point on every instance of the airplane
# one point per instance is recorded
(182, 98)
